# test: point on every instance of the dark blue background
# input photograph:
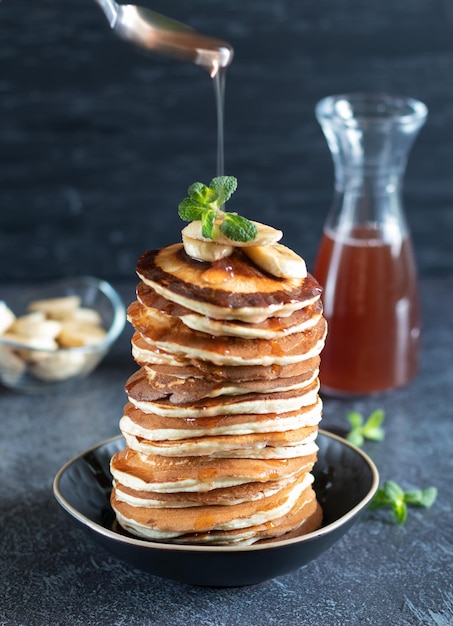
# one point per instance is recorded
(98, 142)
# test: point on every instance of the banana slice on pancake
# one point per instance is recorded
(278, 260)
(205, 250)
(265, 236)
(263, 250)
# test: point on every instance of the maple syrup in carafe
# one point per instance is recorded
(365, 261)
(372, 309)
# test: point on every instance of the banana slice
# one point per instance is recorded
(74, 335)
(35, 325)
(31, 349)
(278, 260)
(266, 235)
(83, 315)
(7, 317)
(11, 365)
(55, 307)
(205, 250)
(59, 366)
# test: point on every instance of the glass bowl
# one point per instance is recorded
(40, 365)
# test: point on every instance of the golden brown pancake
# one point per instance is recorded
(203, 518)
(232, 288)
(270, 328)
(300, 521)
(237, 373)
(276, 445)
(182, 390)
(171, 335)
(142, 395)
(160, 428)
(228, 495)
(172, 474)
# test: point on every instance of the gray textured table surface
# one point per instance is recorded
(379, 573)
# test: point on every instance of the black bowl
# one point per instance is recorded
(345, 481)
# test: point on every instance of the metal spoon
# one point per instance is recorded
(156, 32)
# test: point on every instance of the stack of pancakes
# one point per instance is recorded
(222, 416)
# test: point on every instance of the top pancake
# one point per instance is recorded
(232, 288)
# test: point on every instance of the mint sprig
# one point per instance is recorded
(238, 228)
(393, 496)
(205, 203)
(369, 429)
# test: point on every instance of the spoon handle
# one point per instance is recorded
(111, 10)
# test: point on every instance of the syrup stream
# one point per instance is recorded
(219, 94)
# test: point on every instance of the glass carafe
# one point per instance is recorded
(365, 262)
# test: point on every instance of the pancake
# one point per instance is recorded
(300, 521)
(236, 494)
(238, 373)
(277, 445)
(172, 336)
(229, 289)
(270, 328)
(165, 522)
(141, 395)
(146, 355)
(173, 474)
(182, 390)
(160, 428)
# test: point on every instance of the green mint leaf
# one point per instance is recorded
(202, 194)
(374, 434)
(413, 497)
(238, 228)
(429, 496)
(387, 495)
(393, 491)
(196, 188)
(399, 511)
(356, 438)
(355, 435)
(206, 204)
(355, 419)
(391, 495)
(421, 497)
(224, 186)
(371, 429)
(189, 210)
(207, 223)
(380, 500)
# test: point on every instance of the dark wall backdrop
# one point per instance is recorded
(98, 142)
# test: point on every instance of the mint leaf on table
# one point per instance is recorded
(421, 497)
(205, 203)
(369, 429)
(394, 497)
(391, 495)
